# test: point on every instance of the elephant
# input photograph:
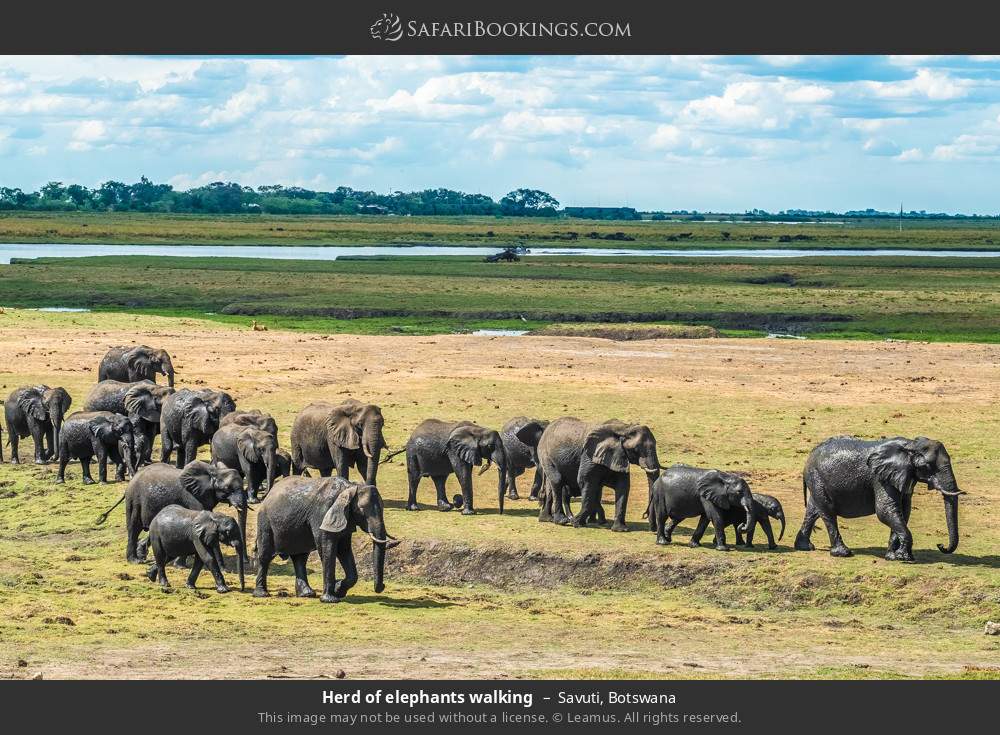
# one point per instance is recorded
(764, 506)
(101, 434)
(282, 463)
(520, 456)
(178, 532)
(220, 401)
(198, 486)
(134, 363)
(327, 437)
(848, 477)
(682, 491)
(576, 456)
(255, 418)
(303, 514)
(187, 420)
(251, 452)
(36, 411)
(141, 401)
(438, 448)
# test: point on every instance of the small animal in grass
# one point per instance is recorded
(257, 327)
(177, 531)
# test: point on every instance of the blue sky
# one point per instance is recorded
(723, 133)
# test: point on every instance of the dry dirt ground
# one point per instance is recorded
(507, 596)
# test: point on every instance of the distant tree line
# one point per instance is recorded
(230, 198)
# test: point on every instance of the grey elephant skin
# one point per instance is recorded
(177, 532)
(330, 437)
(250, 451)
(438, 448)
(198, 486)
(303, 514)
(189, 419)
(580, 457)
(848, 477)
(37, 411)
(141, 401)
(682, 491)
(130, 364)
(101, 434)
(254, 417)
(521, 456)
(765, 507)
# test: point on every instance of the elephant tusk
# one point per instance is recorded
(486, 467)
(951, 492)
(385, 542)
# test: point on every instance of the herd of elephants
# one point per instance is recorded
(296, 513)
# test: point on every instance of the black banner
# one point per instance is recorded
(544, 706)
(514, 27)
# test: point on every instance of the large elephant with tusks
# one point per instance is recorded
(848, 477)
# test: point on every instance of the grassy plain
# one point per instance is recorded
(953, 299)
(139, 228)
(505, 596)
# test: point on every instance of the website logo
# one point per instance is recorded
(387, 28)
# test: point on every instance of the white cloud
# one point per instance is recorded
(87, 135)
(926, 84)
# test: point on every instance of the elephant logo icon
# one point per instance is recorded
(387, 28)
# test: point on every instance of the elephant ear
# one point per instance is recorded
(892, 463)
(139, 401)
(246, 447)
(196, 479)
(138, 360)
(32, 406)
(531, 433)
(463, 444)
(206, 529)
(335, 519)
(604, 446)
(197, 416)
(102, 429)
(713, 488)
(340, 430)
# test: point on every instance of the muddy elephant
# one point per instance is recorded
(178, 532)
(36, 411)
(254, 417)
(848, 477)
(438, 448)
(303, 514)
(337, 437)
(134, 363)
(198, 486)
(101, 434)
(251, 452)
(188, 420)
(682, 491)
(219, 400)
(521, 456)
(765, 507)
(141, 401)
(576, 456)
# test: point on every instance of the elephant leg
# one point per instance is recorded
(302, 588)
(464, 474)
(196, 568)
(891, 514)
(326, 472)
(413, 481)
(166, 447)
(265, 553)
(345, 554)
(621, 504)
(699, 530)
(590, 495)
(327, 548)
(536, 484)
(765, 523)
(181, 562)
(660, 526)
(13, 438)
(545, 510)
(739, 535)
(213, 566)
(38, 437)
(132, 527)
(837, 545)
(906, 505)
(160, 565)
(669, 524)
(190, 451)
(442, 496)
(560, 501)
(361, 465)
(85, 469)
(802, 540)
(512, 486)
(102, 466)
(63, 461)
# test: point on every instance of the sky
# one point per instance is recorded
(653, 132)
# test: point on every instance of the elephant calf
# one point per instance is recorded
(682, 491)
(101, 434)
(764, 506)
(36, 411)
(521, 456)
(141, 401)
(177, 532)
(251, 452)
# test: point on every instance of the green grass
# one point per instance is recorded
(932, 299)
(137, 228)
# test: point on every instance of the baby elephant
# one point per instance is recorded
(101, 434)
(178, 532)
(764, 506)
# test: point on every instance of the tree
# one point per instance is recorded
(529, 202)
(54, 191)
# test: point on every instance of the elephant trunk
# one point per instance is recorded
(951, 518)
(243, 530)
(781, 517)
(747, 502)
(373, 460)
(499, 457)
(371, 439)
(380, 542)
(240, 564)
(168, 370)
(271, 462)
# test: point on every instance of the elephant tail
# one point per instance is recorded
(805, 491)
(387, 458)
(104, 516)
(649, 509)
